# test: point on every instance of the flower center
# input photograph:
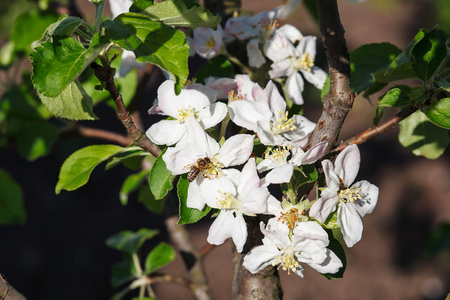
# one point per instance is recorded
(185, 113)
(268, 27)
(232, 96)
(214, 170)
(349, 195)
(287, 261)
(283, 124)
(210, 43)
(228, 201)
(279, 155)
(305, 62)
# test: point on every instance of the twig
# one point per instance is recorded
(339, 100)
(372, 132)
(105, 135)
(106, 74)
(7, 291)
(169, 278)
(191, 257)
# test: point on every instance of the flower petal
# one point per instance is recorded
(347, 163)
(314, 153)
(294, 87)
(166, 132)
(236, 150)
(228, 224)
(331, 178)
(212, 114)
(369, 197)
(324, 206)
(254, 54)
(350, 222)
(280, 174)
(330, 265)
(194, 199)
(260, 257)
(246, 113)
(316, 76)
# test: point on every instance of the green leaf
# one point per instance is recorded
(366, 60)
(175, 13)
(72, 103)
(218, 66)
(439, 112)
(77, 168)
(395, 97)
(28, 27)
(131, 184)
(429, 53)
(161, 179)
(21, 103)
(65, 26)
(126, 154)
(139, 5)
(160, 256)
(146, 197)
(123, 272)
(36, 140)
(56, 64)
(11, 200)
(130, 242)
(444, 84)
(188, 215)
(152, 42)
(337, 248)
(422, 137)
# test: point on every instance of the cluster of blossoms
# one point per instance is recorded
(227, 173)
(289, 52)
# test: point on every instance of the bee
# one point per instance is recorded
(201, 165)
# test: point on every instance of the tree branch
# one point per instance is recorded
(339, 99)
(7, 291)
(106, 74)
(372, 132)
(191, 257)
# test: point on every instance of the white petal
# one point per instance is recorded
(350, 223)
(119, 7)
(260, 257)
(291, 32)
(246, 113)
(273, 206)
(254, 54)
(281, 68)
(236, 150)
(209, 92)
(194, 199)
(331, 178)
(222, 85)
(228, 224)
(314, 153)
(347, 163)
(212, 114)
(266, 135)
(323, 207)
(369, 197)
(294, 87)
(280, 174)
(278, 47)
(244, 86)
(249, 177)
(276, 101)
(127, 63)
(179, 158)
(303, 127)
(331, 265)
(200, 142)
(307, 45)
(266, 165)
(166, 132)
(316, 76)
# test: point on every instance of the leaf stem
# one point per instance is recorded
(99, 14)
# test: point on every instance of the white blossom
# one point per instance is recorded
(352, 201)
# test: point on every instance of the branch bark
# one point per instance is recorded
(7, 291)
(339, 99)
(106, 74)
(372, 132)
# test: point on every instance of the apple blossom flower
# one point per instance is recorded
(289, 60)
(268, 117)
(352, 202)
(281, 168)
(207, 42)
(308, 245)
(198, 144)
(197, 101)
(235, 197)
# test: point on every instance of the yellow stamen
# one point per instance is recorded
(210, 43)
(304, 63)
(184, 113)
(350, 195)
(283, 123)
(228, 201)
(287, 261)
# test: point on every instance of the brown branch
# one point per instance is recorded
(106, 74)
(169, 278)
(105, 135)
(7, 291)
(372, 132)
(191, 257)
(339, 100)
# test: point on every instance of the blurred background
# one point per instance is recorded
(60, 252)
